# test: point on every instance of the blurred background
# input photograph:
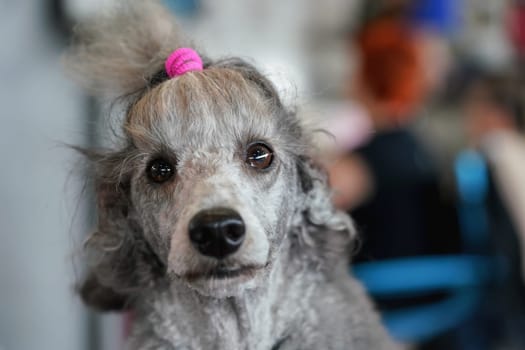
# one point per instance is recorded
(425, 102)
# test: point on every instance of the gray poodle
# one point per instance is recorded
(214, 224)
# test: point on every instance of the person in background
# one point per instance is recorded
(390, 184)
(493, 124)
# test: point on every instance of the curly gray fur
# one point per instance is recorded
(299, 294)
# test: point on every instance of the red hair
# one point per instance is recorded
(391, 68)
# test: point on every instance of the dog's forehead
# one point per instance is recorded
(216, 107)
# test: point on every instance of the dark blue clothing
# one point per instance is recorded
(405, 216)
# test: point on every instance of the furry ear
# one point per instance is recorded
(100, 297)
(321, 225)
(121, 260)
(119, 52)
(318, 206)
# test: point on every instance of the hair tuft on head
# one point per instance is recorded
(119, 51)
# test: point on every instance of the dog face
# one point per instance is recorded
(214, 171)
(212, 177)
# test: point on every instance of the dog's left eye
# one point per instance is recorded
(160, 170)
(259, 156)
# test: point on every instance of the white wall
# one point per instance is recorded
(39, 109)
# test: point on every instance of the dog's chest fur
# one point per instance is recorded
(300, 311)
(215, 324)
(259, 319)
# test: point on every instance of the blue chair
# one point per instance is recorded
(461, 277)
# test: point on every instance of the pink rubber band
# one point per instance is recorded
(181, 61)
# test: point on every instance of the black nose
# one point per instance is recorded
(217, 232)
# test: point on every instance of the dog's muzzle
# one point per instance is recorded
(217, 232)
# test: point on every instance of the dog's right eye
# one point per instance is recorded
(259, 156)
(160, 170)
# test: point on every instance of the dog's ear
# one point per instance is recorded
(97, 290)
(102, 298)
(324, 226)
(122, 263)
